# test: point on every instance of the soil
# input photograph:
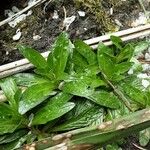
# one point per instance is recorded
(41, 23)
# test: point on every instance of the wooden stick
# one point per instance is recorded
(15, 70)
(126, 38)
(18, 63)
(119, 33)
(38, 2)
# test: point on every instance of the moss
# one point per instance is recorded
(99, 12)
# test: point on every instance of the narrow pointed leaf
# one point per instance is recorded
(106, 65)
(126, 53)
(78, 88)
(122, 67)
(33, 56)
(28, 79)
(86, 51)
(102, 48)
(35, 95)
(79, 61)
(60, 52)
(116, 41)
(56, 107)
(135, 94)
(106, 99)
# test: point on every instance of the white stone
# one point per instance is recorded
(31, 2)
(142, 75)
(81, 13)
(139, 21)
(15, 9)
(55, 15)
(147, 57)
(111, 11)
(36, 37)
(130, 71)
(146, 67)
(85, 29)
(145, 83)
(17, 36)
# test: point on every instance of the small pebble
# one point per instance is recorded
(146, 67)
(142, 75)
(139, 21)
(36, 37)
(145, 83)
(17, 36)
(147, 57)
(55, 15)
(130, 71)
(81, 13)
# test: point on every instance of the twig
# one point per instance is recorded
(139, 147)
(38, 2)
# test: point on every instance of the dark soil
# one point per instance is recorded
(41, 23)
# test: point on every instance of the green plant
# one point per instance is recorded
(74, 88)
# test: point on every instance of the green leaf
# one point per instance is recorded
(45, 73)
(12, 137)
(9, 119)
(28, 79)
(116, 41)
(113, 146)
(144, 137)
(34, 95)
(102, 48)
(122, 67)
(117, 113)
(106, 99)
(135, 94)
(78, 88)
(90, 116)
(106, 65)
(79, 61)
(9, 88)
(60, 52)
(33, 56)
(56, 107)
(86, 51)
(15, 144)
(126, 53)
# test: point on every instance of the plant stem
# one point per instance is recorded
(118, 93)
